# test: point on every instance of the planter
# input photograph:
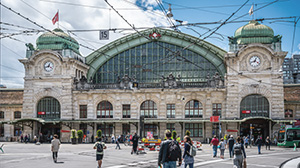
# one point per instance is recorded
(79, 140)
(73, 141)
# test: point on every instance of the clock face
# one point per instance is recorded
(48, 66)
(254, 61)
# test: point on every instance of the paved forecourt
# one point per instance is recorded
(19, 155)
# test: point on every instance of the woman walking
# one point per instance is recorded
(222, 148)
(188, 158)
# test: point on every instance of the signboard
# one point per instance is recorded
(230, 130)
(246, 111)
(65, 131)
(214, 118)
(104, 35)
(149, 135)
(41, 113)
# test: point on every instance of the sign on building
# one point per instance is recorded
(214, 118)
(104, 35)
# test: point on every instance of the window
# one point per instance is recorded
(17, 114)
(126, 129)
(17, 131)
(105, 110)
(48, 108)
(288, 113)
(83, 111)
(254, 105)
(170, 110)
(215, 129)
(126, 110)
(1, 130)
(293, 135)
(217, 109)
(194, 109)
(1, 114)
(171, 126)
(83, 127)
(195, 129)
(149, 109)
(150, 128)
(107, 129)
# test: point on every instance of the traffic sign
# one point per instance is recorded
(104, 35)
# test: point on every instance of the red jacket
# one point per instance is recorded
(215, 141)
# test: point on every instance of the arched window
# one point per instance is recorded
(48, 108)
(17, 114)
(105, 110)
(193, 109)
(288, 113)
(254, 105)
(149, 109)
(1, 114)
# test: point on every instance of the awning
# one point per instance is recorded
(26, 120)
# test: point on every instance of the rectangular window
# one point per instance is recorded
(217, 109)
(195, 129)
(107, 129)
(83, 127)
(170, 110)
(83, 111)
(171, 126)
(150, 128)
(126, 110)
(126, 129)
(17, 131)
(17, 114)
(1, 114)
(1, 130)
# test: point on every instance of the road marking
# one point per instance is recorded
(257, 165)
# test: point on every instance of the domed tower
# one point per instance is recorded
(50, 71)
(254, 80)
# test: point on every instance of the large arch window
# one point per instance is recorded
(148, 62)
(254, 105)
(149, 109)
(48, 108)
(105, 110)
(193, 109)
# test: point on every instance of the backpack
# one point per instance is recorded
(99, 147)
(193, 150)
(237, 149)
(173, 151)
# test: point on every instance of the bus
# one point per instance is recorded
(288, 137)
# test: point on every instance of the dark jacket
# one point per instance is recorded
(258, 141)
(242, 148)
(187, 149)
(162, 156)
(135, 140)
(231, 142)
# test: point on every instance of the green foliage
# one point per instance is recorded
(174, 134)
(73, 133)
(187, 132)
(99, 133)
(80, 133)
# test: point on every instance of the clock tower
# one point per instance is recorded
(254, 79)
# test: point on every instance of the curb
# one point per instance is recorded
(288, 161)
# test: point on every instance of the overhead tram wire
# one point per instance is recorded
(164, 11)
(12, 51)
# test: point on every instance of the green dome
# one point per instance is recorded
(57, 41)
(254, 32)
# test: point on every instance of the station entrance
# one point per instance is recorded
(255, 127)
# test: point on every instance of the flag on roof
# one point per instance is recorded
(55, 18)
(251, 11)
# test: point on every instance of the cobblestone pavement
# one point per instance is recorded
(19, 155)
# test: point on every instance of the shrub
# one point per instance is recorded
(73, 133)
(174, 134)
(80, 133)
(187, 132)
(99, 133)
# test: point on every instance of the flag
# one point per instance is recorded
(251, 11)
(55, 18)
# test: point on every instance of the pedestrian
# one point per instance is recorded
(268, 143)
(178, 139)
(259, 142)
(188, 158)
(135, 141)
(92, 138)
(99, 146)
(22, 138)
(112, 139)
(118, 142)
(169, 152)
(239, 149)
(225, 138)
(246, 142)
(215, 143)
(222, 145)
(230, 145)
(55, 144)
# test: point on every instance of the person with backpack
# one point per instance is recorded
(135, 141)
(55, 143)
(222, 145)
(189, 152)
(169, 152)
(215, 143)
(118, 142)
(238, 152)
(230, 145)
(99, 146)
(259, 142)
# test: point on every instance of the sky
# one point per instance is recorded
(97, 15)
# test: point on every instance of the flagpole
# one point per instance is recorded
(58, 18)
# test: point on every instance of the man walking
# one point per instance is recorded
(230, 145)
(55, 143)
(215, 143)
(118, 142)
(169, 152)
(259, 142)
(99, 146)
(239, 149)
(268, 143)
(135, 141)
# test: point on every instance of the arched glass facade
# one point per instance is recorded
(193, 109)
(148, 62)
(48, 108)
(149, 109)
(105, 110)
(254, 105)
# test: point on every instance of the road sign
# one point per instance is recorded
(104, 35)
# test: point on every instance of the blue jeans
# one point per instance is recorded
(191, 165)
(170, 164)
(259, 147)
(231, 151)
(215, 150)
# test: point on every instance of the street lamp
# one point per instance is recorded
(169, 13)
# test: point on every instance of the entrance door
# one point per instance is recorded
(48, 130)
(259, 127)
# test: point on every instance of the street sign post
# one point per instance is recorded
(104, 35)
